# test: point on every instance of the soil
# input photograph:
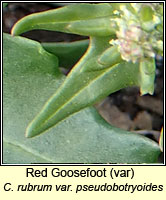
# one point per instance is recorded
(125, 109)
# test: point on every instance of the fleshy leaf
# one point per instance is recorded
(14, 154)
(82, 19)
(29, 78)
(86, 84)
(67, 53)
(111, 56)
(147, 76)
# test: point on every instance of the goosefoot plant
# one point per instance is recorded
(123, 41)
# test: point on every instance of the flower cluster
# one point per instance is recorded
(139, 32)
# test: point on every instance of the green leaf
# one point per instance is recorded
(161, 140)
(14, 154)
(82, 19)
(111, 56)
(86, 84)
(147, 76)
(5, 4)
(29, 78)
(67, 53)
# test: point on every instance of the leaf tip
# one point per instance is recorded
(18, 28)
(31, 132)
(28, 134)
(34, 129)
(13, 31)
